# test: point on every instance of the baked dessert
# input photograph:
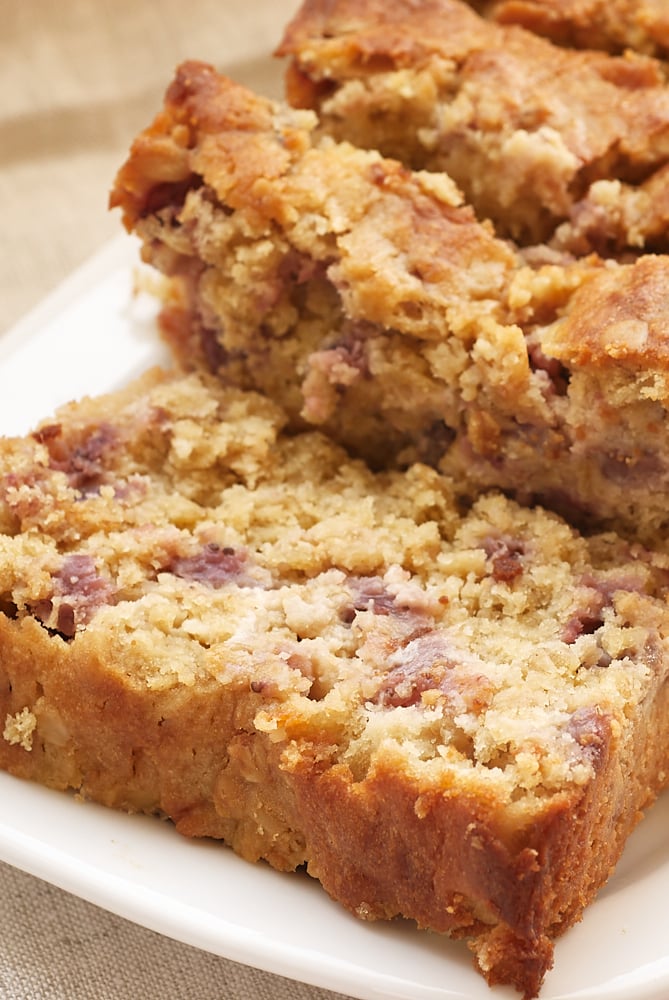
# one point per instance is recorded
(368, 300)
(612, 25)
(454, 716)
(551, 144)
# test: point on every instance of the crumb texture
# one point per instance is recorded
(551, 142)
(208, 617)
(371, 302)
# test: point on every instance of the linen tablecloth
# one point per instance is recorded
(77, 80)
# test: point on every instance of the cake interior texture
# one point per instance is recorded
(552, 143)
(449, 715)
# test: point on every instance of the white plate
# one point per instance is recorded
(92, 335)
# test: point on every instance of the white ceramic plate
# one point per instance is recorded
(92, 335)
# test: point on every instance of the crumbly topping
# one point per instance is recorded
(19, 729)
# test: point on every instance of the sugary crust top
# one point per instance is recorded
(618, 319)
(346, 38)
(161, 154)
(539, 125)
(262, 160)
(406, 248)
(613, 25)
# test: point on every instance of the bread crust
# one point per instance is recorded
(615, 26)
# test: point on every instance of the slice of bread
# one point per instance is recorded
(367, 299)
(454, 716)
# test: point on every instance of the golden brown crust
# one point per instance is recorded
(612, 25)
(253, 155)
(619, 319)
(465, 876)
(160, 160)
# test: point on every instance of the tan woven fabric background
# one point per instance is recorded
(77, 79)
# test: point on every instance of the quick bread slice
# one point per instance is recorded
(550, 144)
(452, 716)
(368, 300)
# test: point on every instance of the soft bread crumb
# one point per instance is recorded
(20, 728)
